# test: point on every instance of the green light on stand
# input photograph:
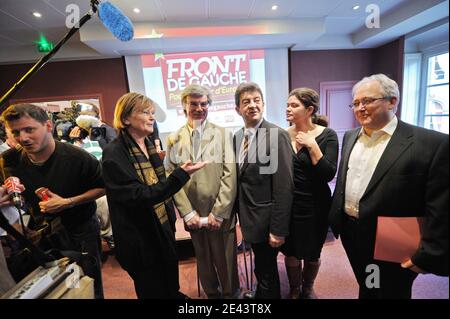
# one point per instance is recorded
(43, 45)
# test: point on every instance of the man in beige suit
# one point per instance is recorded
(206, 201)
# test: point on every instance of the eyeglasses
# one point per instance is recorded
(365, 101)
(194, 105)
(147, 113)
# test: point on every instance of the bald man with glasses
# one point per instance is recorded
(390, 168)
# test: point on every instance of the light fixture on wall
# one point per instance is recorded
(274, 7)
(37, 14)
(356, 7)
(136, 10)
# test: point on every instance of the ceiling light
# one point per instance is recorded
(274, 7)
(356, 7)
(137, 10)
(37, 14)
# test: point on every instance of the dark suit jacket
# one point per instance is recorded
(139, 236)
(411, 179)
(264, 200)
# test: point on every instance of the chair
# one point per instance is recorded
(244, 250)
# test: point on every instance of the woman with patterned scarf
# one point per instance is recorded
(139, 199)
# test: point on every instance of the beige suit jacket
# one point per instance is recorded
(213, 188)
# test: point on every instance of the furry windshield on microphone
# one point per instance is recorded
(87, 121)
(115, 21)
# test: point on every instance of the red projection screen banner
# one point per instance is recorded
(221, 71)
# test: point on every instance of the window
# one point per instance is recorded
(435, 113)
(425, 89)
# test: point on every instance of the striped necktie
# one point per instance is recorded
(244, 152)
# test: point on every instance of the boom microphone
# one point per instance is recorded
(115, 21)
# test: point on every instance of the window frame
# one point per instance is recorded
(441, 49)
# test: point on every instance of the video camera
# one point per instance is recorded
(62, 129)
(97, 133)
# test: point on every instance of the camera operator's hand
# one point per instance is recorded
(75, 132)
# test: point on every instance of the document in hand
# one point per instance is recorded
(397, 238)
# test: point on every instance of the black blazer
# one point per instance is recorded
(411, 179)
(264, 200)
(139, 236)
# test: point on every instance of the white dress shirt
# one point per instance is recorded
(363, 160)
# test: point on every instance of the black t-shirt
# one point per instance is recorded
(70, 171)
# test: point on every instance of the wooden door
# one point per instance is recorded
(334, 100)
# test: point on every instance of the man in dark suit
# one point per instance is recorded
(265, 186)
(390, 168)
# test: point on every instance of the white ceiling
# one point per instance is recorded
(194, 25)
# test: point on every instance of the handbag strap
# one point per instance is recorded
(40, 257)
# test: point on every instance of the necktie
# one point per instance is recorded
(244, 151)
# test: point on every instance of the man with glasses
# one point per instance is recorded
(207, 199)
(390, 168)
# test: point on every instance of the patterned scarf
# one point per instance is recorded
(150, 171)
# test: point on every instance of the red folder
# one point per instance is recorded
(397, 238)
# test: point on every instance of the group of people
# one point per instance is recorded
(274, 181)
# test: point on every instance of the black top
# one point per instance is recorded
(312, 198)
(70, 171)
(310, 179)
(141, 240)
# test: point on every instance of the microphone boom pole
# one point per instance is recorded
(38, 65)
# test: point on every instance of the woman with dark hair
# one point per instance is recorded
(139, 198)
(315, 157)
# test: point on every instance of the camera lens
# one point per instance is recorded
(97, 133)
